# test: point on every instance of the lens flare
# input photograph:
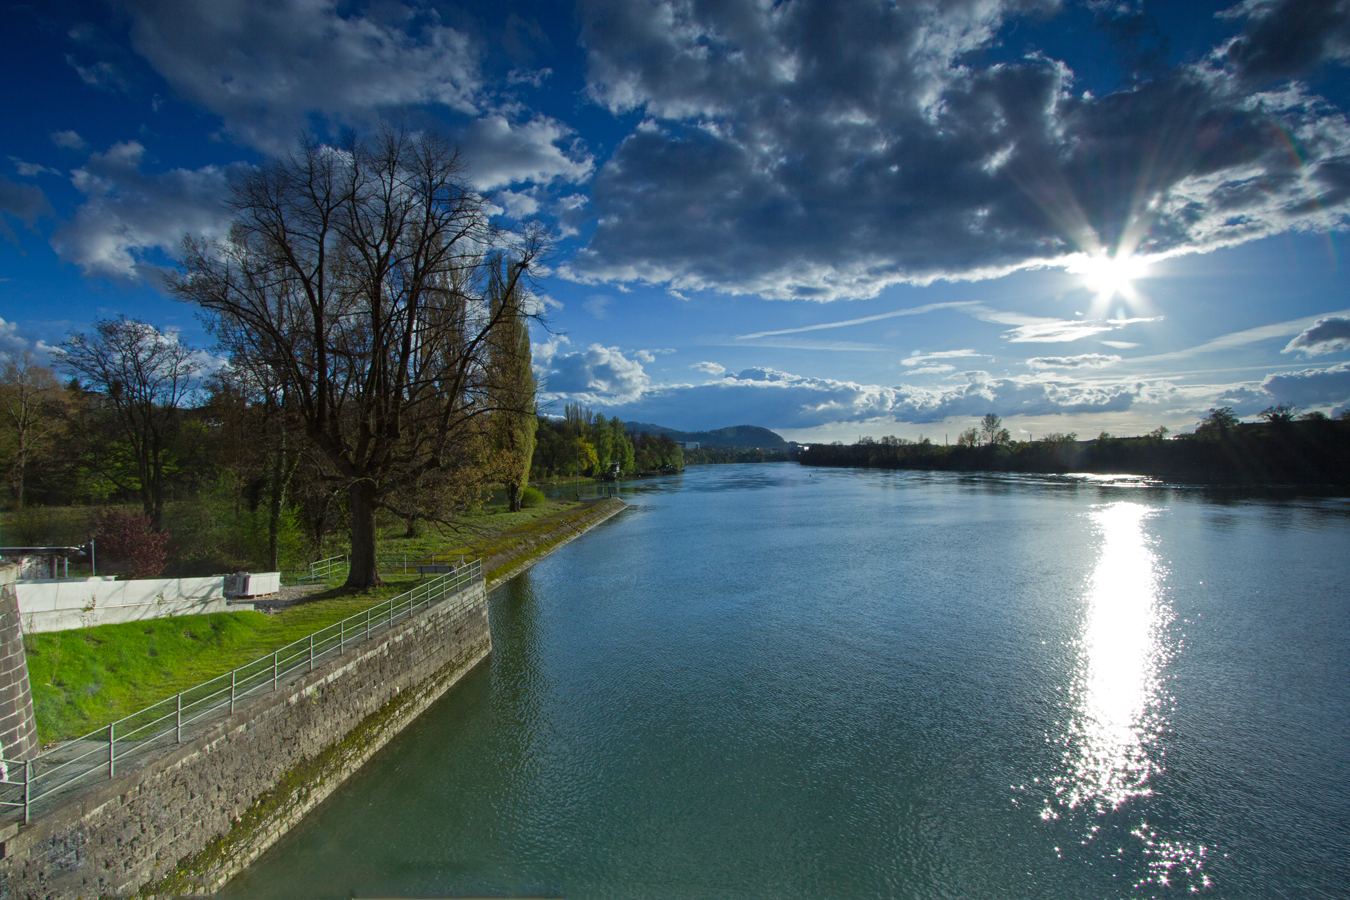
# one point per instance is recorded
(1108, 276)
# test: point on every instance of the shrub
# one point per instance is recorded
(530, 497)
(125, 544)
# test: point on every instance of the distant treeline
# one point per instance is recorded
(710, 455)
(1282, 449)
(583, 442)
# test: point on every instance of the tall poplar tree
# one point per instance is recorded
(514, 386)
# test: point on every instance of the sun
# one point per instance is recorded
(1108, 275)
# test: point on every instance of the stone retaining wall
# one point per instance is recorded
(187, 822)
(18, 729)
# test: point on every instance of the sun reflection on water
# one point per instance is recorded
(1112, 744)
(1121, 653)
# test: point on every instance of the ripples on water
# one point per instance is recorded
(767, 681)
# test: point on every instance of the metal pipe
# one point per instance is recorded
(179, 726)
(232, 676)
(27, 790)
(112, 750)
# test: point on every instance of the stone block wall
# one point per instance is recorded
(18, 729)
(186, 822)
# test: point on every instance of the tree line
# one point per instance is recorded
(584, 442)
(1285, 446)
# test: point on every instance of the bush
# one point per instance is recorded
(530, 497)
(125, 545)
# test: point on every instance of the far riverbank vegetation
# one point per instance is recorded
(1284, 446)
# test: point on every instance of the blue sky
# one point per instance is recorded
(827, 218)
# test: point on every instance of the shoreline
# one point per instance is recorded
(261, 814)
(501, 568)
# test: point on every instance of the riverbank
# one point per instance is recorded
(85, 678)
(192, 818)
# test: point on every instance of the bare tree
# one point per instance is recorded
(357, 275)
(143, 375)
(31, 402)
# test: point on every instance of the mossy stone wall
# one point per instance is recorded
(186, 822)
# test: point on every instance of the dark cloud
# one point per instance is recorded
(266, 66)
(1329, 335)
(1307, 388)
(825, 150)
(1286, 39)
(1311, 387)
(127, 212)
(25, 202)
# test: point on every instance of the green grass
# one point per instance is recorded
(85, 678)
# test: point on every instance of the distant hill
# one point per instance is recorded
(735, 436)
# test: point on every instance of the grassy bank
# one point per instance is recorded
(84, 679)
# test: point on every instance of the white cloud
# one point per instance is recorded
(1329, 335)
(69, 139)
(1120, 345)
(539, 150)
(915, 359)
(710, 368)
(127, 213)
(266, 66)
(911, 311)
(514, 204)
(598, 375)
(32, 170)
(13, 345)
(1041, 330)
(1246, 337)
(544, 351)
(777, 399)
(598, 305)
(1082, 361)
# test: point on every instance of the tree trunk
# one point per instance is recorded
(362, 572)
(514, 492)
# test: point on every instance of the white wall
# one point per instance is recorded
(47, 605)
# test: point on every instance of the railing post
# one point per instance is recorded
(311, 652)
(367, 623)
(27, 790)
(232, 674)
(178, 725)
(342, 637)
(112, 750)
(274, 669)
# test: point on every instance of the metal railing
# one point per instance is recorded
(323, 569)
(131, 740)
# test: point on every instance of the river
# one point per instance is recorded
(779, 682)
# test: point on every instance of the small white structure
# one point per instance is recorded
(252, 584)
(62, 604)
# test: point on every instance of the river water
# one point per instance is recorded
(772, 681)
